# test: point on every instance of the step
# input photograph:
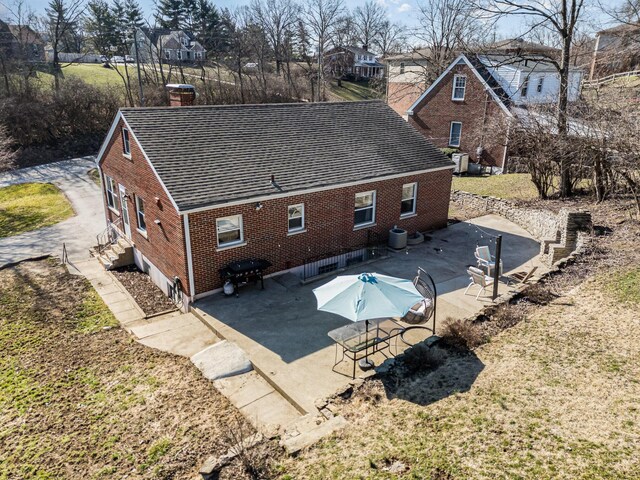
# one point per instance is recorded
(306, 438)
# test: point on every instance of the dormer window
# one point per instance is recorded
(459, 87)
(126, 147)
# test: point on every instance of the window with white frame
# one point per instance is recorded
(167, 54)
(296, 217)
(365, 208)
(179, 54)
(199, 55)
(455, 133)
(142, 224)
(525, 88)
(408, 205)
(126, 146)
(229, 230)
(459, 87)
(112, 195)
(401, 68)
(540, 84)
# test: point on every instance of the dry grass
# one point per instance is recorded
(81, 402)
(555, 396)
(512, 186)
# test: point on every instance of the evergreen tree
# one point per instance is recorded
(100, 26)
(171, 14)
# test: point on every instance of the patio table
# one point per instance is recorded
(356, 342)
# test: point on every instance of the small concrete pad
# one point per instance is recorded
(180, 334)
(264, 407)
(308, 438)
(221, 360)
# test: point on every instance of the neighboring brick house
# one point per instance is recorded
(458, 108)
(21, 43)
(408, 75)
(616, 50)
(281, 182)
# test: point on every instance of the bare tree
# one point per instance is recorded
(561, 17)
(446, 27)
(391, 38)
(276, 18)
(7, 152)
(321, 17)
(368, 20)
(62, 18)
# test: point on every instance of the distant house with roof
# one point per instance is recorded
(616, 49)
(460, 104)
(21, 42)
(286, 183)
(162, 45)
(351, 60)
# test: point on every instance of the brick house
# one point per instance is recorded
(457, 108)
(280, 182)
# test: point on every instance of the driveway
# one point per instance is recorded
(78, 232)
(286, 337)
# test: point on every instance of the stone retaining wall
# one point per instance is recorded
(559, 234)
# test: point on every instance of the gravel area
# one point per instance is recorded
(146, 294)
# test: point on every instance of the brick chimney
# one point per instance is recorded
(181, 95)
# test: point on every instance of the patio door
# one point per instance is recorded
(125, 212)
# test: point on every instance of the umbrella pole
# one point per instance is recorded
(366, 365)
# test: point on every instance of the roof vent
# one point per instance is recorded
(181, 94)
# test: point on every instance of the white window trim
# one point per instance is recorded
(414, 198)
(451, 132)
(464, 89)
(230, 244)
(540, 85)
(143, 231)
(302, 227)
(126, 142)
(373, 205)
(110, 182)
(402, 68)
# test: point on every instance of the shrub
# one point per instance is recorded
(449, 151)
(421, 357)
(462, 334)
(507, 316)
(538, 294)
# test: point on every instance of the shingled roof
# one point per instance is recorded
(211, 155)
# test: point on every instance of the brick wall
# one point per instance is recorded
(164, 245)
(435, 113)
(328, 222)
(401, 95)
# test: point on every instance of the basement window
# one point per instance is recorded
(126, 146)
(229, 230)
(365, 208)
(454, 134)
(459, 87)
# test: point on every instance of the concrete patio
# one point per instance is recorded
(286, 338)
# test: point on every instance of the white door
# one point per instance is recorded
(125, 212)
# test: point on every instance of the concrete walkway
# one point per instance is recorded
(78, 232)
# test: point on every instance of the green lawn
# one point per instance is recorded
(513, 186)
(354, 91)
(30, 206)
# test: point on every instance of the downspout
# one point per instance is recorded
(187, 241)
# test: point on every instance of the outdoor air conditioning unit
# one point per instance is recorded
(462, 162)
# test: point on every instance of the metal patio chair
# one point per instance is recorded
(478, 277)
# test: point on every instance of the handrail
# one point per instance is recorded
(108, 236)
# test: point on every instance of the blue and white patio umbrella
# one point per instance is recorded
(367, 296)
